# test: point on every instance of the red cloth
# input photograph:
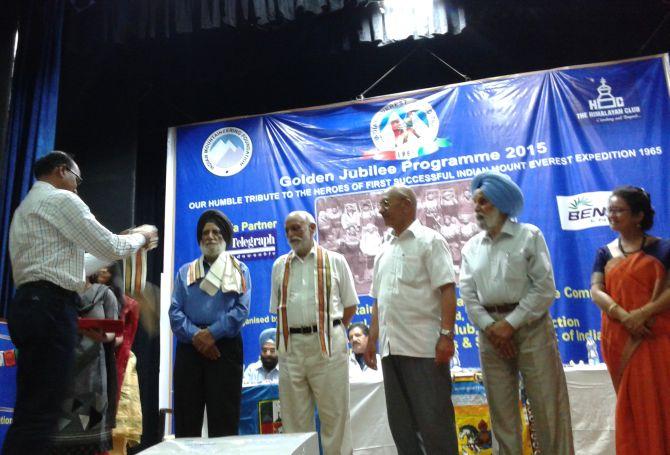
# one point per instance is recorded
(643, 403)
(131, 316)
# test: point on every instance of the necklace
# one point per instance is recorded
(626, 253)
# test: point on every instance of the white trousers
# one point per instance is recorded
(540, 366)
(307, 378)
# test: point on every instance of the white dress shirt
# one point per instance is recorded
(301, 306)
(365, 374)
(515, 267)
(256, 374)
(50, 232)
(408, 274)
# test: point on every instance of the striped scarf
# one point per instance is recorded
(196, 271)
(135, 273)
(323, 275)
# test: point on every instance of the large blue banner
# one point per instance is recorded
(566, 136)
(7, 380)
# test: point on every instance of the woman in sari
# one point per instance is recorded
(630, 285)
(88, 411)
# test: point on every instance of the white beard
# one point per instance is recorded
(491, 221)
(210, 251)
(304, 244)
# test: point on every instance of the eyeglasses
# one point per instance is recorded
(386, 203)
(77, 178)
(615, 211)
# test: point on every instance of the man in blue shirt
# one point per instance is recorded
(210, 302)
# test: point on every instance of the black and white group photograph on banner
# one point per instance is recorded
(352, 225)
(334, 227)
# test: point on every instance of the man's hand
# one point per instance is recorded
(500, 334)
(203, 341)
(212, 353)
(150, 234)
(507, 349)
(502, 330)
(444, 350)
(370, 354)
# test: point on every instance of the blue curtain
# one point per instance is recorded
(32, 119)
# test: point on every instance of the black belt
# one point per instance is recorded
(44, 284)
(311, 329)
(501, 307)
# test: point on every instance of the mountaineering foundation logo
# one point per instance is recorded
(609, 108)
(405, 129)
(583, 211)
(226, 151)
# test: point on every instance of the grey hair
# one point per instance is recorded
(405, 192)
(303, 215)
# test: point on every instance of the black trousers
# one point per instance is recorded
(215, 383)
(418, 401)
(42, 322)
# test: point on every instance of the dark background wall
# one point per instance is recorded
(8, 21)
(117, 100)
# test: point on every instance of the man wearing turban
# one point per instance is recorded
(210, 302)
(266, 369)
(507, 285)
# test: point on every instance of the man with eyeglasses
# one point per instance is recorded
(413, 317)
(54, 242)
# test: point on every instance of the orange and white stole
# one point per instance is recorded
(135, 273)
(323, 280)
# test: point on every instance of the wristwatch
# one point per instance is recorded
(447, 333)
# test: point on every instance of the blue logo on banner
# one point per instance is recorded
(226, 151)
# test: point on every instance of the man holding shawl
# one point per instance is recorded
(210, 302)
(314, 296)
(507, 285)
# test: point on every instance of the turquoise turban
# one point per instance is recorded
(266, 335)
(501, 191)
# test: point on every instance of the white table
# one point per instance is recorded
(592, 403)
(276, 444)
(370, 430)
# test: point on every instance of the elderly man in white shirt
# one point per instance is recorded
(266, 369)
(507, 285)
(50, 235)
(314, 296)
(413, 317)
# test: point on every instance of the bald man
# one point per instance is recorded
(413, 317)
(314, 296)
(507, 285)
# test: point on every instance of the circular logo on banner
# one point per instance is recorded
(405, 129)
(226, 151)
